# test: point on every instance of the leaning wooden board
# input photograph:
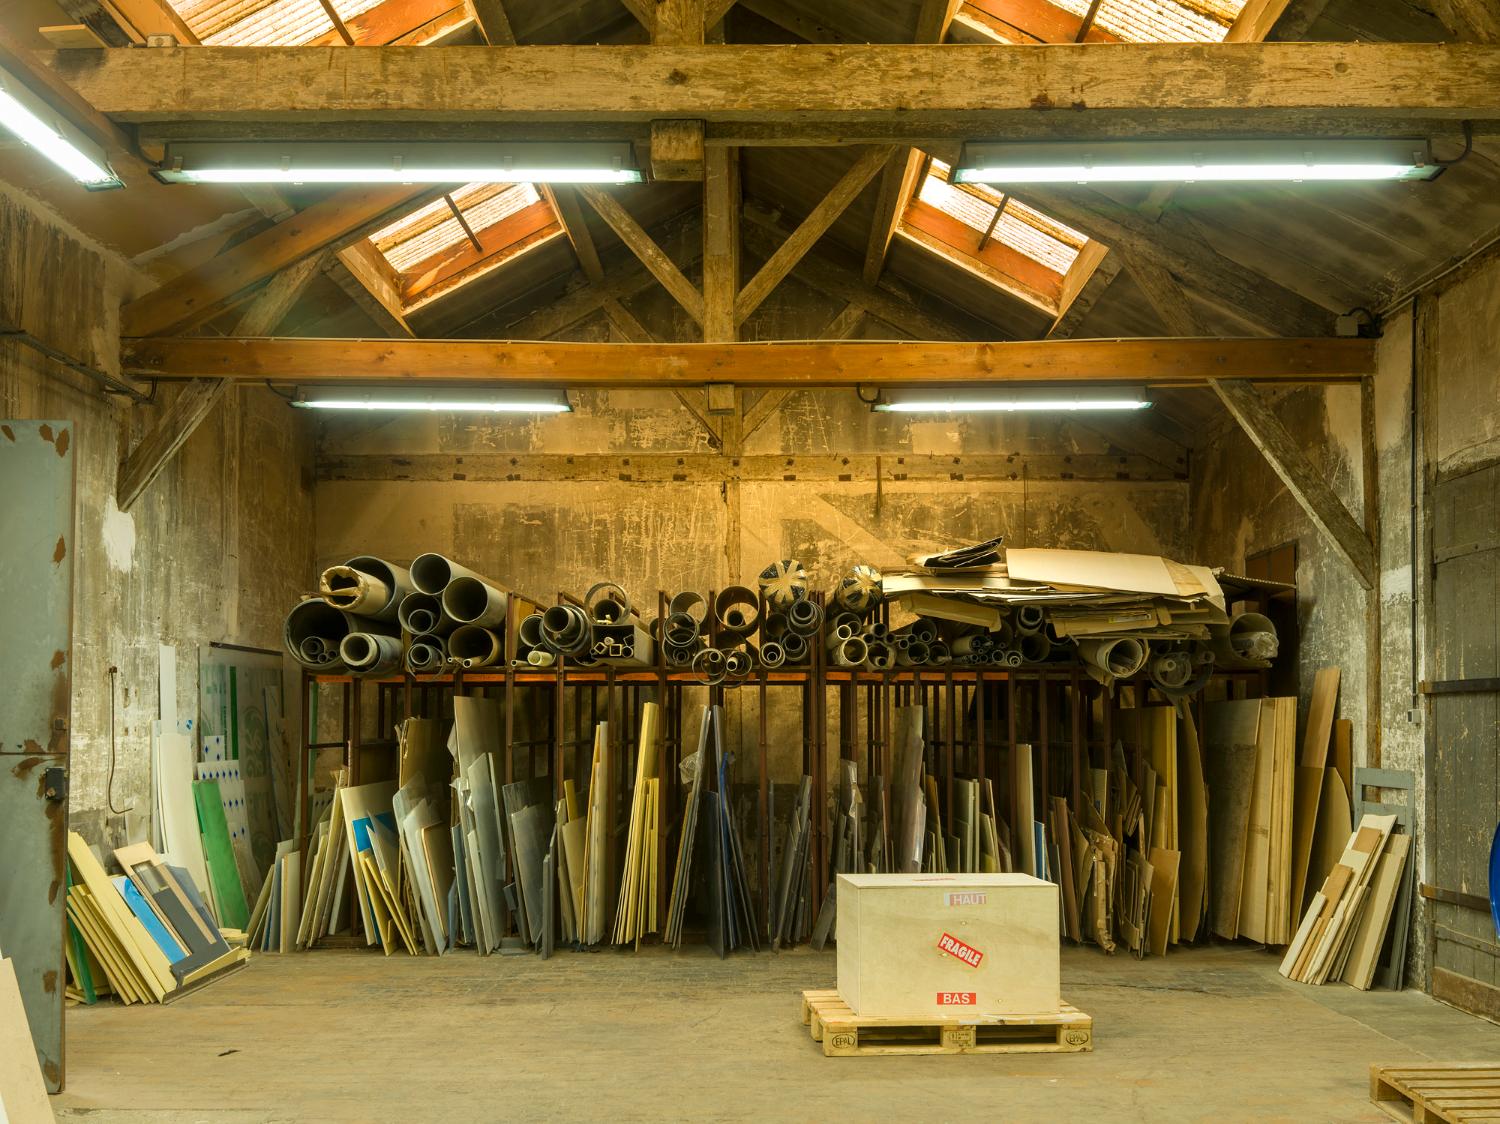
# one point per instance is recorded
(23, 1096)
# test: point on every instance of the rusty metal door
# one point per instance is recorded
(1463, 786)
(36, 620)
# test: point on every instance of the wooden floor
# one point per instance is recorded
(1205, 1034)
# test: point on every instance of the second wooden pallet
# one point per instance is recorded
(1455, 1092)
(845, 1034)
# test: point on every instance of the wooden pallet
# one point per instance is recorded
(845, 1034)
(1457, 1092)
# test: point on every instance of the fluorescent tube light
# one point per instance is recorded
(449, 400)
(1049, 400)
(416, 162)
(37, 125)
(1247, 161)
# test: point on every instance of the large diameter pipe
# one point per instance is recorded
(1250, 640)
(851, 652)
(313, 630)
(474, 601)
(475, 646)
(804, 617)
(738, 664)
(736, 610)
(690, 603)
(431, 573)
(772, 654)
(396, 579)
(1035, 647)
(566, 631)
(606, 603)
(426, 653)
(682, 629)
(421, 614)
(365, 653)
(1029, 619)
(709, 664)
(529, 631)
(794, 646)
(880, 654)
(1117, 658)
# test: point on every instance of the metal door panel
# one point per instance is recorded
(36, 613)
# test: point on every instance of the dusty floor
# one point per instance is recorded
(1204, 1034)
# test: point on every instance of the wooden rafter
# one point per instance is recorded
(933, 20)
(834, 93)
(197, 400)
(644, 11)
(897, 182)
(1083, 303)
(493, 22)
(714, 11)
(194, 296)
(564, 202)
(840, 363)
(645, 248)
(1307, 483)
(1477, 21)
(843, 323)
(790, 252)
(1168, 298)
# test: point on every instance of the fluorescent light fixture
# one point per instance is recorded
(1235, 161)
(1052, 399)
(38, 125)
(417, 162)
(449, 400)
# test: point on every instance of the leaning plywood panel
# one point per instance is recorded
(140, 949)
(1359, 970)
(23, 1096)
(1232, 734)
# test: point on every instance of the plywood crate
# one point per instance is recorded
(945, 944)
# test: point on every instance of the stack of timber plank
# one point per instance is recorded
(635, 915)
(1344, 928)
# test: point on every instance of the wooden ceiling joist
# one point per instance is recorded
(645, 248)
(897, 182)
(1168, 298)
(841, 363)
(801, 94)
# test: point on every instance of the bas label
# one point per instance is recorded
(955, 947)
(970, 897)
(957, 998)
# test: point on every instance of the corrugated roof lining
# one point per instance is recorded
(1162, 21)
(263, 23)
(1022, 228)
(423, 233)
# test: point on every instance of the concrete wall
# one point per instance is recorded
(215, 549)
(1240, 507)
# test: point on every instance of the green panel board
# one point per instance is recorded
(223, 875)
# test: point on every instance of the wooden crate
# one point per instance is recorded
(845, 1034)
(1457, 1092)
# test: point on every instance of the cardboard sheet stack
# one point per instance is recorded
(1344, 928)
(144, 935)
(1125, 613)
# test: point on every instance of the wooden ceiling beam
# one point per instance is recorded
(192, 297)
(608, 208)
(493, 22)
(196, 401)
(804, 94)
(897, 182)
(1477, 21)
(564, 201)
(721, 244)
(813, 227)
(1307, 483)
(1167, 298)
(841, 363)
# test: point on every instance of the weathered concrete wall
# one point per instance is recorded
(215, 549)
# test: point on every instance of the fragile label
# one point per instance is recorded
(955, 947)
(957, 998)
(969, 897)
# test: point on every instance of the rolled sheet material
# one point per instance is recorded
(1029, 619)
(880, 654)
(1114, 658)
(850, 652)
(772, 654)
(606, 603)
(859, 590)
(566, 631)
(708, 664)
(396, 579)
(804, 617)
(737, 610)
(365, 653)
(783, 582)
(474, 645)
(1249, 641)
(475, 601)
(426, 654)
(422, 614)
(431, 573)
(1035, 647)
(354, 591)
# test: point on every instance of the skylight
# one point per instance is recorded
(1042, 239)
(287, 23)
(470, 230)
(1161, 21)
